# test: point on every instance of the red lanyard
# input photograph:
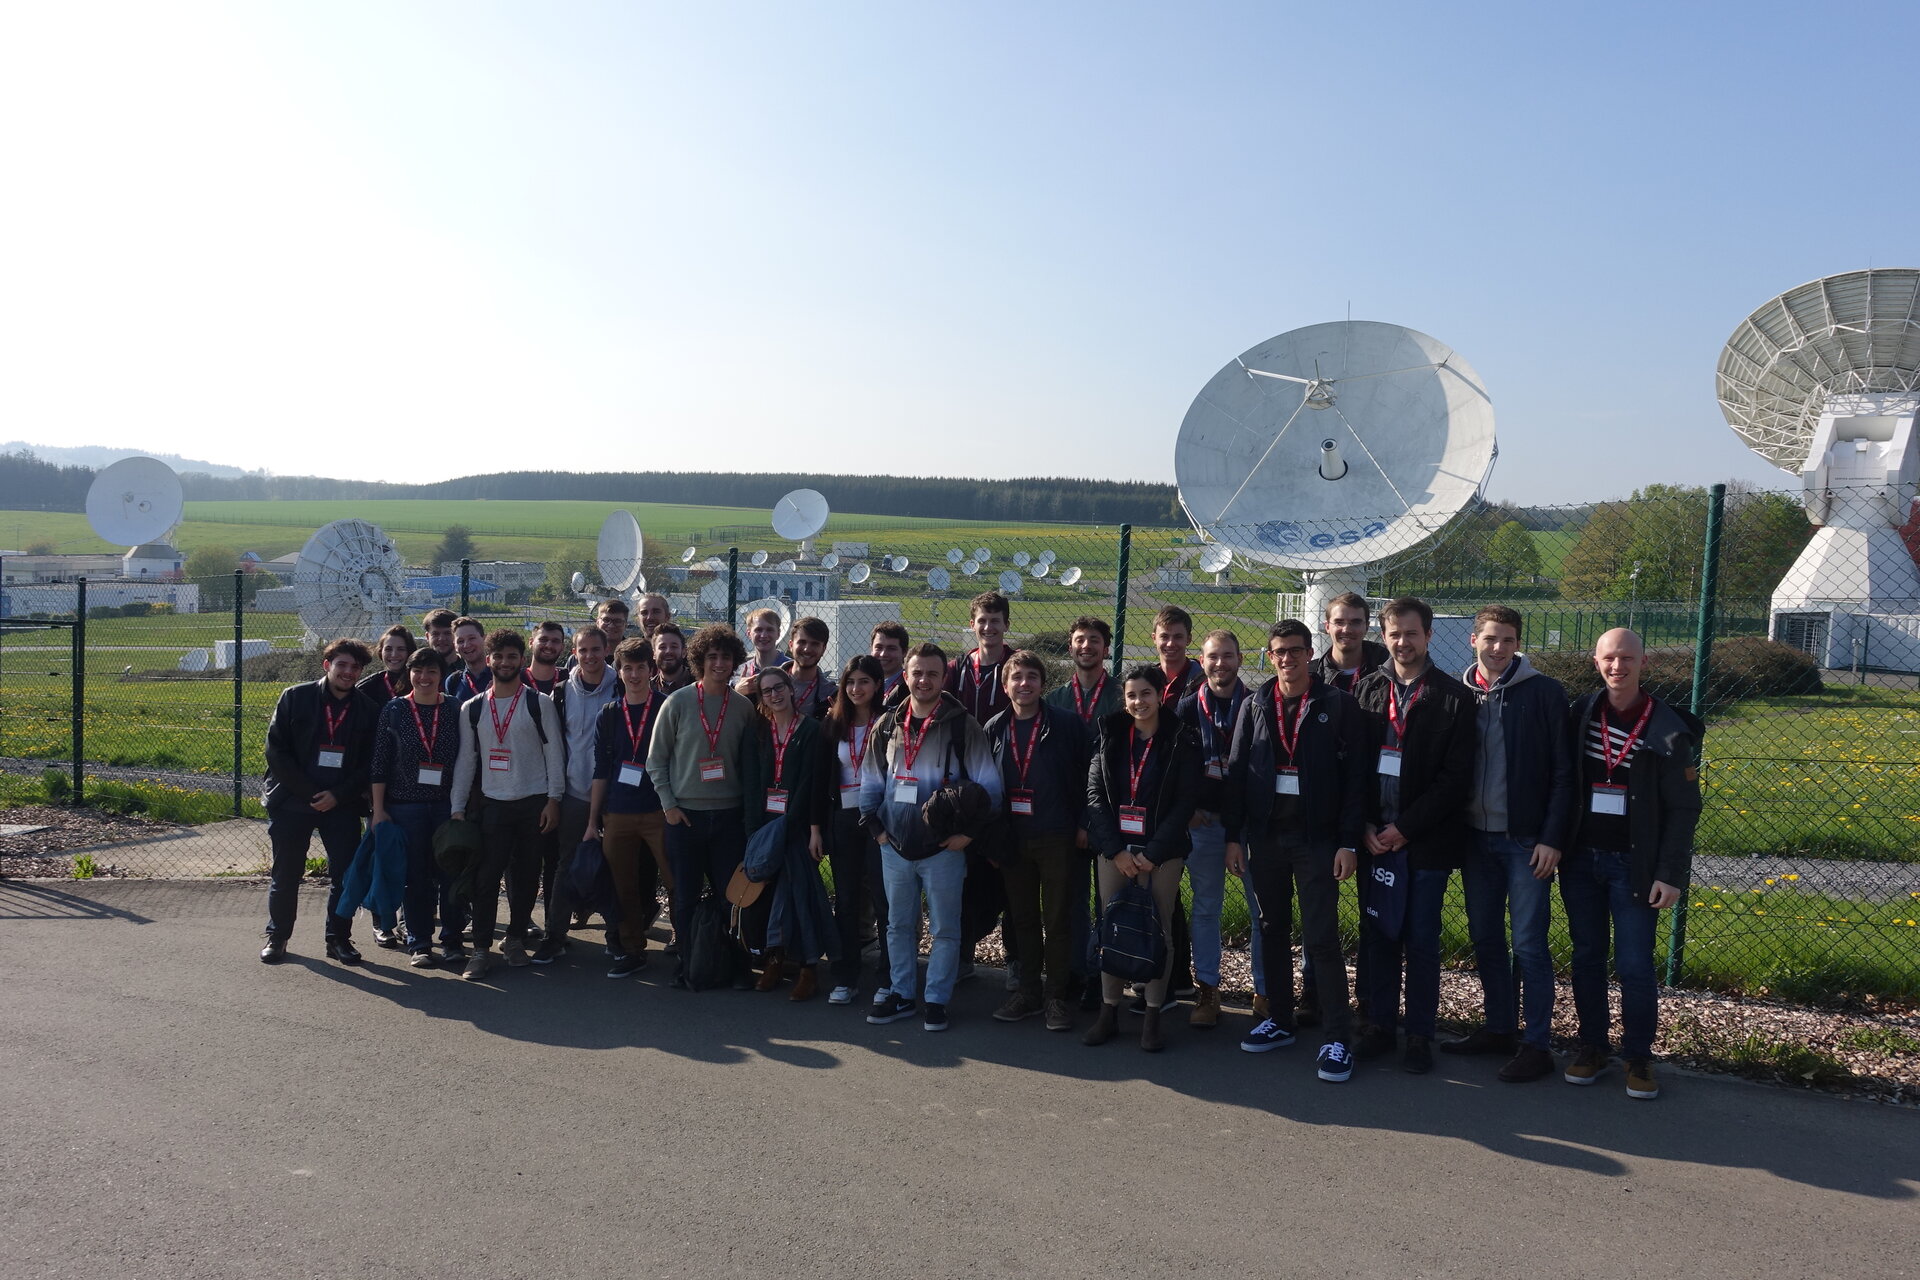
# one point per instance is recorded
(635, 737)
(1289, 741)
(1397, 713)
(1089, 706)
(980, 682)
(856, 754)
(780, 746)
(333, 725)
(1626, 748)
(1024, 762)
(799, 701)
(1176, 685)
(1133, 782)
(427, 737)
(910, 743)
(712, 731)
(393, 690)
(1206, 709)
(493, 709)
(472, 688)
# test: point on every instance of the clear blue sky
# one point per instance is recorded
(983, 239)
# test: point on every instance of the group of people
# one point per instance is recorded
(960, 793)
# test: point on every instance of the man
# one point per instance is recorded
(577, 702)
(763, 635)
(610, 616)
(1090, 693)
(1172, 633)
(922, 745)
(391, 681)
(319, 760)
(438, 625)
(1212, 710)
(1349, 654)
(1296, 810)
(671, 672)
(514, 771)
(1517, 818)
(889, 647)
(694, 762)
(625, 807)
(470, 675)
(1630, 853)
(813, 690)
(655, 611)
(542, 671)
(1424, 728)
(974, 679)
(1043, 753)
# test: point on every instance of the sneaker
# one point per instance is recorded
(478, 964)
(1419, 1056)
(1586, 1065)
(892, 1009)
(549, 950)
(936, 1019)
(840, 995)
(1640, 1081)
(423, 960)
(1529, 1062)
(626, 966)
(1481, 1041)
(1335, 1062)
(1374, 1042)
(1059, 1015)
(1020, 1005)
(453, 954)
(536, 934)
(386, 939)
(514, 952)
(1267, 1035)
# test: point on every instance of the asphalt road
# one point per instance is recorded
(173, 1109)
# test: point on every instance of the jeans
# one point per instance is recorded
(1166, 900)
(942, 878)
(704, 852)
(1596, 888)
(1278, 867)
(1418, 946)
(420, 821)
(509, 847)
(561, 898)
(858, 889)
(1207, 877)
(290, 832)
(636, 849)
(1039, 881)
(1498, 878)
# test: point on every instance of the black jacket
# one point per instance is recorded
(1056, 771)
(1373, 656)
(1542, 771)
(1169, 808)
(1335, 763)
(799, 777)
(1663, 793)
(293, 735)
(376, 687)
(1436, 764)
(1213, 791)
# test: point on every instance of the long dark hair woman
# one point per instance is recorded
(858, 895)
(782, 779)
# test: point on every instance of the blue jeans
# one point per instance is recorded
(1207, 876)
(1597, 890)
(290, 832)
(1418, 946)
(420, 821)
(1498, 878)
(703, 852)
(942, 878)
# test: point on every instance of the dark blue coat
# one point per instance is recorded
(1335, 763)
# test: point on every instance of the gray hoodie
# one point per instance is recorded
(1487, 809)
(581, 708)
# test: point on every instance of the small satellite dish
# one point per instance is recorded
(133, 501)
(1010, 581)
(620, 551)
(687, 556)
(714, 595)
(714, 564)
(1047, 557)
(1216, 558)
(195, 660)
(831, 560)
(955, 555)
(1039, 570)
(787, 566)
(939, 579)
(800, 515)
(898, 564)
(349, 580)
(579, 581)
(1070, 577)
(774, 603)
(969, 567)
(859, 574)
(982, 554)
(757, 559)
(1022, 559)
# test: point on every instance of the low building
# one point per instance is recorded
(60, 599)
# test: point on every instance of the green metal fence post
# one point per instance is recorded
(1702, 652)
(733, 583)
(79, 688)
(239, 645)
(1119, 655)
(466, 578)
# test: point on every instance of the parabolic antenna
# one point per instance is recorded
(955, 555)
(1040, 568)
(757, 559)
(1216, 558)
(982, 554)
(195, 660)
(620, 551)
(800, 515)
(969, 567)
(1335, 446)
(349, 581)
(831, 560)
(774, 603)
(714, 564)
(898, 564)
(687, 556)
(1011, 582)
(787, 566)
(1022, 559)
(714, 595)
(859, 574)
(939, 579)
(1070, 577)
(133, 501)
(1047, 556)
(579, 581)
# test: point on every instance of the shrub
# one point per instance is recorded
(1051, 644)
(1739, 667)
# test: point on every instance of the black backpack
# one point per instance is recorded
(711, 953)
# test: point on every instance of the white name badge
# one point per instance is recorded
(632, 773)
(1022, 803)
(713, 769)
(1286, 782)
(850, 797)
(499, 760)
(431, 774)
(1133, 820)
(776, 800)
(1609, 800)
(1215, 769)
(333, 758)
(906, 790)
(1389, 762)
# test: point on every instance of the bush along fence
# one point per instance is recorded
(1797, 647)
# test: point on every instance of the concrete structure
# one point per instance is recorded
(223, 652)
(153, 560)
(18, 567)
(850, 624)
(60, 598)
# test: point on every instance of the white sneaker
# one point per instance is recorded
(841, 995)
(882, 995)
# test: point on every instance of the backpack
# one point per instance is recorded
(1131, 945)
(712, 956)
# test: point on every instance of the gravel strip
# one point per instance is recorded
(34, 855)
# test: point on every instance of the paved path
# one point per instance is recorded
(176, 1109)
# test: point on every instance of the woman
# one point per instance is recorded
(391, 681)
(853, 854)
(415, 746)
(1140, 798)
(780, 775)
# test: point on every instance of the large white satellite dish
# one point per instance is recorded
(800, 515)
(774, 603)
(133, 501)
(939, 579)
(1216, 558)
(1070, 577)
(620, 552)
(195, 660)
(859, 574)
(1011, 582)
(350, 581)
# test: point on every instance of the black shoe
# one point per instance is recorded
(892, 1009)
(936, 1019)
(679, 982)
(549, 950)
(1530, 1062)
(453, 953)
(1481, 1041)
(274, 952)
(627, 965)
(1374, 1042)
(343, 951)
(1308, 1014)
(535, 933)
(1419, 1057)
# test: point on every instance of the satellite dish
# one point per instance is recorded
(859, 574)
(1010, 581)
(1216, 558)
(982, 554)
(638, 589)
(774, 603)
(620, 551)
(195, 660)
(800, 515)
(714, 596)
(955, 555)
(969, 567)
(757, 559)
(898, 564)
(1070, 577)
(1039, 570)
(831, 560)
(786, 566)
(714, 563)
(133, 501)
(579, 581)
(1022, 559)
(686, 557)
(939, 579)
(1046, 557)
(349, 580)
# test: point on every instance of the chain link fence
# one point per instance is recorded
(1796, 643)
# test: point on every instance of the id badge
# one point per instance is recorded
(1216, 769)
(1133, 820)
(333, 758)
(906, 789)
(430, 775)
(1609, 800)
(776, 800)
(1286, 782)
(1389, 762)
(850, 797)
(1022, 803)
(499, 760)
(713, 769)
(632, 773)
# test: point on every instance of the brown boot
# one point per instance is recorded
(1261, 1009)
(1152, 1039)
(1206, 1008)
(804, 984)
(769, 976)
(1104, 1026)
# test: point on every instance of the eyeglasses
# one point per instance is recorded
(1289, 653)
(768, 690)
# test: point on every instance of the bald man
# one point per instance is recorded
(1629, 854)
